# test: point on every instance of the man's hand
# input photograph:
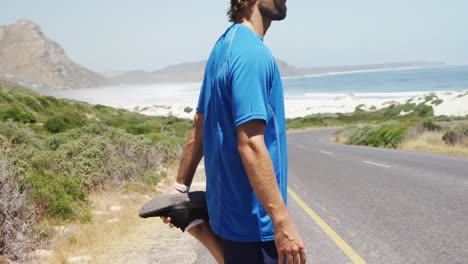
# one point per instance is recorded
(289, 244)
(167, 220)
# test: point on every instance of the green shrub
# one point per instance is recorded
(43, 101)
(167, 146)
(455, 135)
(394, 111)
(188, 109)
(437, 102)
(181, 129)
(430, 97)
(424, 110)
(318, 120)
(58, 197)
(101, 107)
(150, 177)
(4, 96)
(63, 122)
(81, 107)
(18, 134)
(31, 102)
(431, 126)
(52, 100)
(83, 158)
(387, 135)
(55, 125)
(359, 107)
(18, 115)
(450, 137)
(139, 129)
(99, 155)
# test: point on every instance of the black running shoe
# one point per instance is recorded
(182, 208)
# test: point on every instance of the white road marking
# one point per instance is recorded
(376, 164)
(301, 146)
(326, 152)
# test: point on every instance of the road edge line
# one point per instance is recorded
(355, 258)
(376, 164)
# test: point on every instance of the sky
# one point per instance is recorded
(122, 35)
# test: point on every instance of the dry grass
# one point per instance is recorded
(341, 138)
(98, 238)
(429, 141)
(129, 240)
(342, 135)
(432, 142)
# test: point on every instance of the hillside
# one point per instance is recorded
(28, 56)
(55, 152)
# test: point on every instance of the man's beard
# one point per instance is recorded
(272, 9)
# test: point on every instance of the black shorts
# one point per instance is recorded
(249, 252)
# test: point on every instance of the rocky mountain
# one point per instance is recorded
(28, 56)
(193, 71)
(184, 72)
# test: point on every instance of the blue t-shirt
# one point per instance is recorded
(241, 83)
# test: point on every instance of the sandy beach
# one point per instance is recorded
(454, 103)
(180, 100)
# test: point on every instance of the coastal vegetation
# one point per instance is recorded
(411, 125)
(54, 153)
(57, 154)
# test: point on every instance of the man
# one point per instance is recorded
(240, 130)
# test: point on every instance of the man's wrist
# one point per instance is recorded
(181, 187)
(280, 217)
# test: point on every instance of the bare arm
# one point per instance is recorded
(259, 168)
(191, 156)
(193, 152)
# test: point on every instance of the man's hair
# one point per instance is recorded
(236, 8)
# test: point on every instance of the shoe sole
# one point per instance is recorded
(160, 205)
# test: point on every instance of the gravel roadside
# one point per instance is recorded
(155, 242)
(126, 238)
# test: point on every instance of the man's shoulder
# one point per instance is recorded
(250, 52)
(240, 46)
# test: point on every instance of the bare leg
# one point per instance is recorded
(203, 233)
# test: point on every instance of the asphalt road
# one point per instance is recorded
(376, 205)
(390, 206)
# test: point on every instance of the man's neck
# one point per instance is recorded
(256, 22)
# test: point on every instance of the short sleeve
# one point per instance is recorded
(201, 98)
(250, 77)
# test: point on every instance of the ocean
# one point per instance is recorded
(378, 84)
